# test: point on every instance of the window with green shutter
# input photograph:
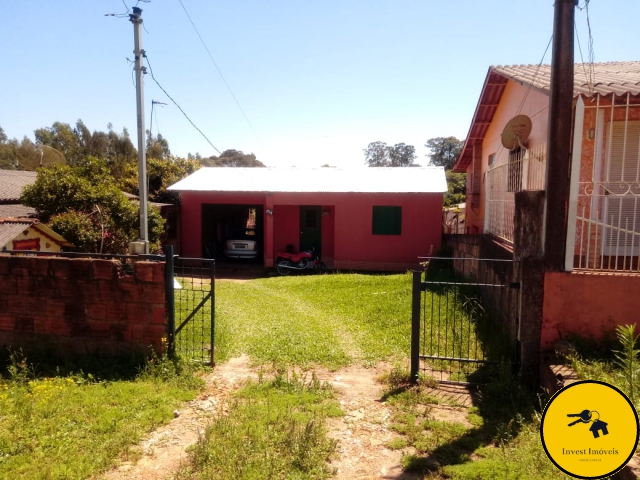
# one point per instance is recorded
(387, 220)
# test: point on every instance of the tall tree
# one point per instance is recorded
(8, 148)
(444, 151)
(232, 158)
(379, 154)
(376, 155)
(63, 138)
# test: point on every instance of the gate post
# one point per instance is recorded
(213, 313)
(528, 249)
(415, 326)
(170, 296)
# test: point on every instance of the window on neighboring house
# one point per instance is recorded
(514, 180)
(492, 159)
(387, 220)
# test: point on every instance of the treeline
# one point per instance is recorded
(63, 144)
(83, 176)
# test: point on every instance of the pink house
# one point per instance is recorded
(505, 152)
(362, 219)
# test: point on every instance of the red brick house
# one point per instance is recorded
(367, 219)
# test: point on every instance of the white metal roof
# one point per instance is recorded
(330, 180)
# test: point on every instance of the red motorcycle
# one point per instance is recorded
(307, 260)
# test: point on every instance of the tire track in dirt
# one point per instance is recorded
(361, 434)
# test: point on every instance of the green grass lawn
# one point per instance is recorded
(328, 320)
(55, 426)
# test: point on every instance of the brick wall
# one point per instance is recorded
(78, 306)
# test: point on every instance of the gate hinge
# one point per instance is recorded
(514, 285)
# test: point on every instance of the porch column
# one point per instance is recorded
(574, 184)
(268, 230)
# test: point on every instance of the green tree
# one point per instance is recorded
(85, 205)
(157, 147)
(444, 151)
(161, 174)
(8, 148)
(232, 158)
(63, 138)
(456, 185)
(379, 154)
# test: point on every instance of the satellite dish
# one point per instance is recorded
(32, 157)
(516, 132)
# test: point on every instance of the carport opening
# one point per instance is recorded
(242, 224)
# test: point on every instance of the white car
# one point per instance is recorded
(241, 248)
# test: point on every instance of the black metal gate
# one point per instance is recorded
(190, 292)
(464, 319)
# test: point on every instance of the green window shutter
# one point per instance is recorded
(387, 220)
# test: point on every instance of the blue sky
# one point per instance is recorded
(317, 80)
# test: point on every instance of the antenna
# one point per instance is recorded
(31, 157)
(516, 132)
(153, 103)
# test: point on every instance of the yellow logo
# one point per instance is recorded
(589, 429)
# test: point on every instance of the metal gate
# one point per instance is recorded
(190, 292)
(464, 319)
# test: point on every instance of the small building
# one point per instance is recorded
(29, 234)
(364, 219)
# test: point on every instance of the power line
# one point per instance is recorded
(219, 71)
(176, 103)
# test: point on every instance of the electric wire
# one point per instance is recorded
(176, 103)
(526, 95)
(584, 65)
(219, 71)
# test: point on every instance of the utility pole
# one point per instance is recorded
(559, 138)
(143, 244)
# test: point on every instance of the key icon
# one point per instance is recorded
(584, 417)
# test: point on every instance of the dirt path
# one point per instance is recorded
(361, 434)
(165, 448)
(363, 431)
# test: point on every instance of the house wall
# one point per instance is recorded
(47, 244)
(587, 305)
(516, 100)
(286, 227)
(347, 239)
(72, 307)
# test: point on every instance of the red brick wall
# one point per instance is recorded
(587, 304)
(79, 306)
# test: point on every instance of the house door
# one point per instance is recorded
(310, 228)
(622, 194)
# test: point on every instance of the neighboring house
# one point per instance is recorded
(11, 184)
(603, 226)
(29, 234)
(367, 219)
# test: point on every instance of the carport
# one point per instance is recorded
(221, 222)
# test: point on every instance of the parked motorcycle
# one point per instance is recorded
(307, 260)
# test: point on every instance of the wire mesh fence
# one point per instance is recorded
(465, 319)
(192, 308)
